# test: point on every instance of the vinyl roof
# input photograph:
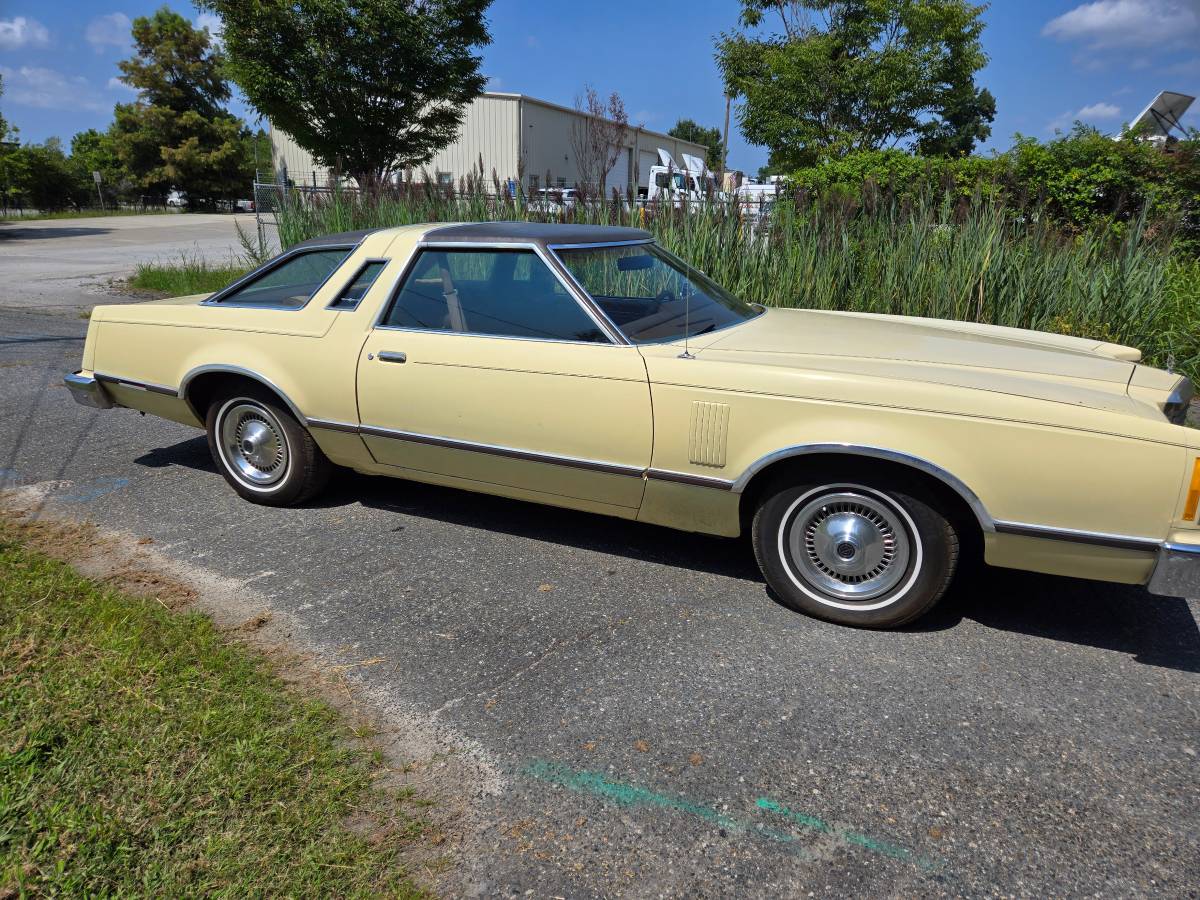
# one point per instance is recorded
(498, 233)
(334, 240)
(536, 232)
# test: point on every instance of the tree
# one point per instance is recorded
(96, 151)
(687, 130)
(369, 86)
(47, 182)
(850, 75)
(598, 136)
(178, 133)
(3, 123)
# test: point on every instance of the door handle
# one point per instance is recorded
(395, 356)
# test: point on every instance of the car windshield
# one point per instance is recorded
(651, 295)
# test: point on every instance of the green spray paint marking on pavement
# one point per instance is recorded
(625, 794)
(895, 851)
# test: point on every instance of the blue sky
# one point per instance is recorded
(1052, 61)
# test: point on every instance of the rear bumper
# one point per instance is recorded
(1176, 571)
(87, 391)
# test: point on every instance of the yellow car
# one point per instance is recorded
(586, 367)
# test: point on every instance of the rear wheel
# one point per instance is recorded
(262, 451)
(873, 554)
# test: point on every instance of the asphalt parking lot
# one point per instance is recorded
(67, 264)
(656, 723)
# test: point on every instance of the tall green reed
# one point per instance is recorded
(970, 259)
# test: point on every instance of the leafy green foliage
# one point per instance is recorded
(141, 755)
(368, 87)
(1081, 181)
(851, 75)
(688, 130)
(41, 176)
(178, 133)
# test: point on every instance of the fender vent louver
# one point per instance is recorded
(709, 434)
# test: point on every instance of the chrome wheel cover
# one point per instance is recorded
(253, 444)
(847, 544)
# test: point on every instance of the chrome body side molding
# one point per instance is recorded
(434, 440)
(1095, 538)
(136, 385)
(720, 484)
(913, 462)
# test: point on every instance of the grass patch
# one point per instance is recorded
(188, 275)
(87, 214)
(140, 753)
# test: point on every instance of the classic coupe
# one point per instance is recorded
(589, 368)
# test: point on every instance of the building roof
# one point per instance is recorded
(536, 233)
(505, 95)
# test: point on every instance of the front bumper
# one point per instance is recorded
(1176, 571)
(87, 391)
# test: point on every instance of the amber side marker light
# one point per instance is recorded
(1193, 497)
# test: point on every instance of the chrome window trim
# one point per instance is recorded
(923, 465)
(218, 299)
(333, 304)
(613, 335)
(494, 337)
(1071, 535)
(556, 247)
(235, 370)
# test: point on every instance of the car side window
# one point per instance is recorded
(354, 292)
(506, 293)
(290, 284)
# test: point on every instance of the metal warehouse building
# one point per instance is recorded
(504, 129)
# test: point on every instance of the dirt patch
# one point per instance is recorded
(421, 756)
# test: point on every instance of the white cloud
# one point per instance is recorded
(211, 21)
(1104, 24)
(112, 30)
(1098, 111)
(50, 89)
(116, 84)
(1093, 112)
(22, 32)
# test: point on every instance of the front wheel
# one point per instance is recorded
(263, 452)
(869, 554)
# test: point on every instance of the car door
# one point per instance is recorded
(483, 366)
